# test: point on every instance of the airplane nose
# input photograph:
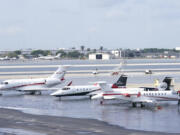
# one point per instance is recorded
(57, 93)
(1, 87)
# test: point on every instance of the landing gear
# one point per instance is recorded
(38, 92)
(90, 97)
(35, 93)
(142, 105)
(178, 106)
(32, 93)
(134, 104)
(101, 102)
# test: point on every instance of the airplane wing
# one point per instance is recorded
(146, 101)
(94, 92)
(32, 88)
(38, 89)
(110, 97)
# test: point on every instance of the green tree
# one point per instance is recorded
(18, 52)
(101, 48)
(63, 53)
(12, 55)
(74, 54)
(82, 48)
(40, 52)
(88, 49)
(94, 50)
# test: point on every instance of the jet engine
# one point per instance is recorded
(52, 81)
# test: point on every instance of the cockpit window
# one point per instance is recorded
(4, 82)
(65, 88)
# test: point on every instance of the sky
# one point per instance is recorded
(52, 24)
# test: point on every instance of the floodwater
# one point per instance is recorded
(166, 119)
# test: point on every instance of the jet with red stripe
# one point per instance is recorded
(140, 95)
(87, 90)
(35, 86)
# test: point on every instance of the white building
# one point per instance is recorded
(99, 56)
(177, 48)
(116, 53)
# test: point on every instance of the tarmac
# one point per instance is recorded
(13, 122)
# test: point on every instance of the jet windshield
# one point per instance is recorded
(4, 82)
(65, 88)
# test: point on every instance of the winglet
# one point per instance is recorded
(70, 83)
(60, 72)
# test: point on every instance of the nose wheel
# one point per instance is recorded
(134, 104)
(142, 105)
(35, 93)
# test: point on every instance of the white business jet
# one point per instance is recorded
(49, 57)
(87, 90)
(4, 58)
(164, 92)
(35, 86)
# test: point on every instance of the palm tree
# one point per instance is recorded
(101, 48)
(82, 48)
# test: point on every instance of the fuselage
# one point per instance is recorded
(140, 95)
(76, 90)
(25, 84)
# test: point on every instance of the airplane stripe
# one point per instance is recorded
(41, 83)
(162, 97)
(114, 94)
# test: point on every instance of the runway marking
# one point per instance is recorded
(90, 65)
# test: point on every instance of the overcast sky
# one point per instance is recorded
(48, 24)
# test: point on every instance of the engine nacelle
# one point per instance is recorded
(52, 81)
(162, 86)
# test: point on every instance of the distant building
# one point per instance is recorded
(177, 48)
(116, 53)
(4, 52)
(99, 56)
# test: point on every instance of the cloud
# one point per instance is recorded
(11, 30)
(92, 29)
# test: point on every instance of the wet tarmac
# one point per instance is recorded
(166, 119)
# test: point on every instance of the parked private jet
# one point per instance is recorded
(164, 92)
(35, 86)
(87, 90)
(4, 58)
(49, 57)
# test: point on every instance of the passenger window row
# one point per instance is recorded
(154, 94)
(83, 89)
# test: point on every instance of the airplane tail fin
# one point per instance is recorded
(104, 88)
(168, 81)
(58, 55)
(69, 84)
(121, 82)
(59, 73)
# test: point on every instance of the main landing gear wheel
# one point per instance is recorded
(38, 92)
(134, 104)
(101, 102)
(178, 102)
(142, 105)
(35, 93)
